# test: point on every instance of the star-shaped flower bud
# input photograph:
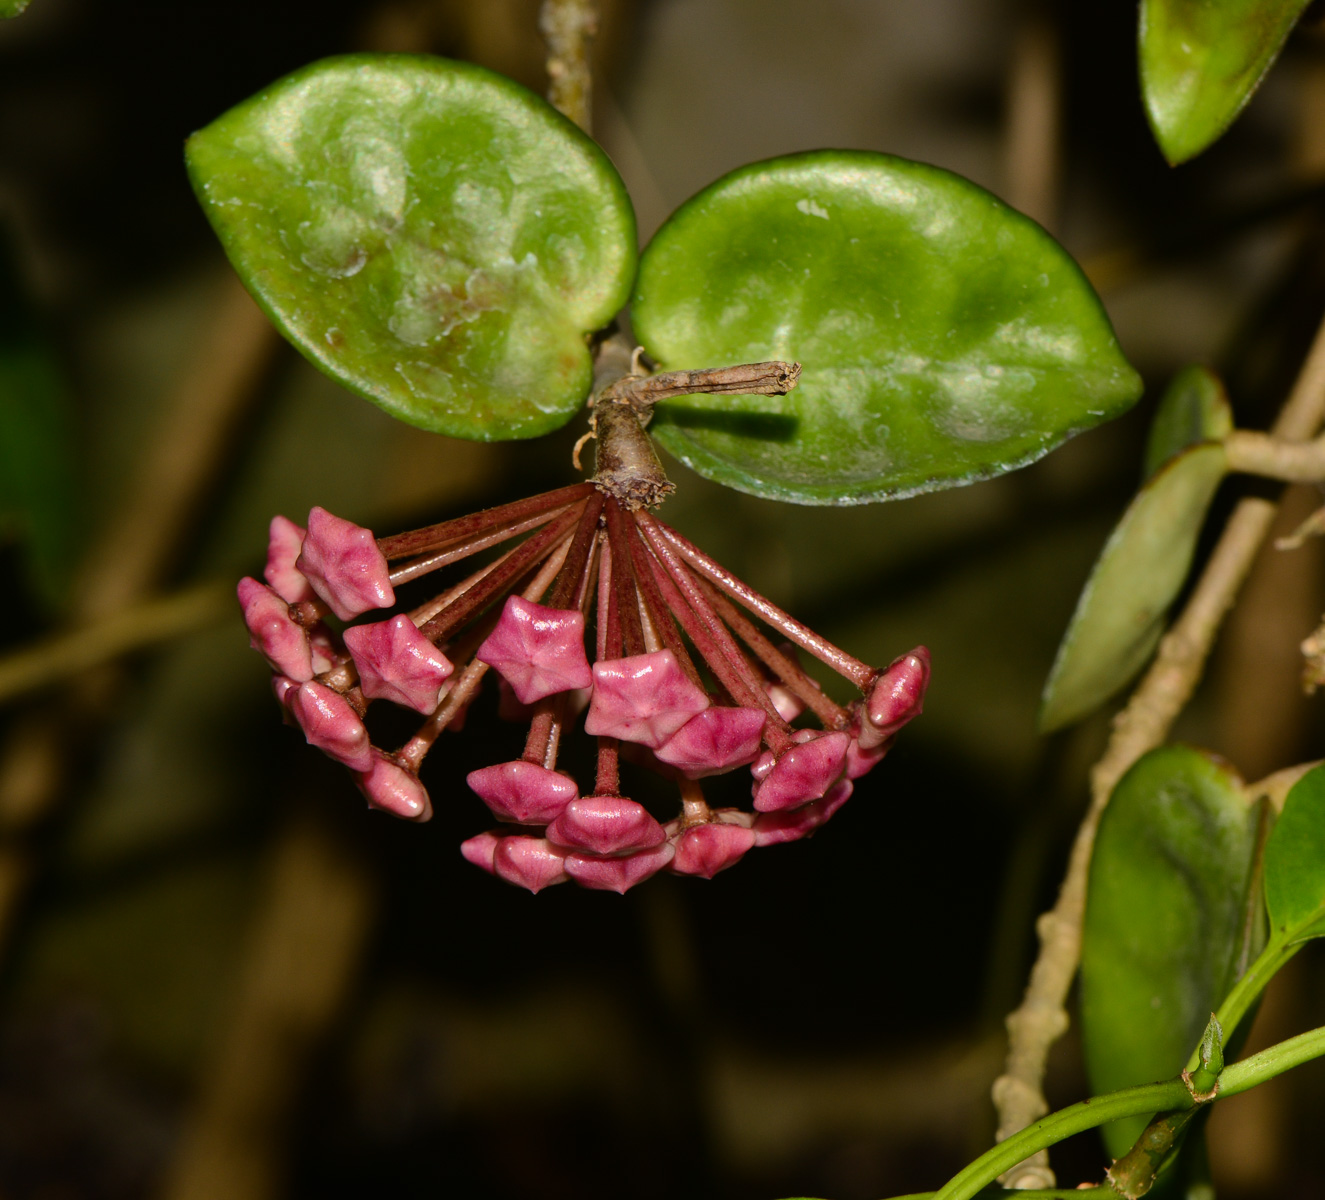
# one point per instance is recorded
(284, 541)
(330, 724)
(343, 565)
(713, 846)
(897, 697)
(529, 862)
(861, 761)
(271, 632)
(803, 773)
(715, 740)
(481, 849)
(397, 663)
(618, 874)
(523, 792)
(645, 698)
(538, 650)
(790, 824)
(606, 825)
(390, 787)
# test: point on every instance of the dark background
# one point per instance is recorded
(220, 977)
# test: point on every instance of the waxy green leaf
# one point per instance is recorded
(430, 234)
(944, 337)
(1122, 611)
(1295, 863)
(1201, 60)
(1165, 919)
(11, 8)
(1194, 408)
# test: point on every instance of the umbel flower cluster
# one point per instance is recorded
(682, 680)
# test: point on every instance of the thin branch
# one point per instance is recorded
(1261, 454)
(568, 28)
(68, 654)
(1041, 1019)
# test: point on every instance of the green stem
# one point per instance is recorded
(1049, 1131)
(1237, 1003)
(1171, 1096)
(1274, 1060)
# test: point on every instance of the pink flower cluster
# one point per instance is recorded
(658, 604)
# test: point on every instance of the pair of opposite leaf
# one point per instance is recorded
(442, 242)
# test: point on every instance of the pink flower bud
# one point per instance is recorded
(481, 849)
(789, 705)
(789, 825)
(330, 724)
(713, 846)
(529, 862)
(397, 663)
(762, 766)
(391, 788)
(271, 632)
(803, 773)
(714, 741)
(537, 650)
(861, 761)
(281, 687)
(523, 792)
(897, 697)
(645, 698)
(606, 825)
(343, 565)
(618, 874)
(284, 541)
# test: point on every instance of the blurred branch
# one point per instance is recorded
(568, 27)
(67, 654)
(306, 943)
(1031, 150)
(1141, 726)
(139, 540)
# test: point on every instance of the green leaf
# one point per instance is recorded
(1201, 60)
(1194, 408)
(944, 337)
(1295, 863)
(11, 8)
(430, 234)
(1123, 608)
(1164, 920)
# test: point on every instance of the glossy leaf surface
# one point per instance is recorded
(1295, 862)
(11, 8)
(1121, 614)
(1201, 60)
(1164, 921)
(430, 234)
(1194, 408)
(944, 337)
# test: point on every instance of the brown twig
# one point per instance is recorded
(568, 28)
(1141, 726)
(1033, 105)
(67, 654)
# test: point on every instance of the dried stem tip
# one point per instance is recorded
(745, 379)
(627, 464)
